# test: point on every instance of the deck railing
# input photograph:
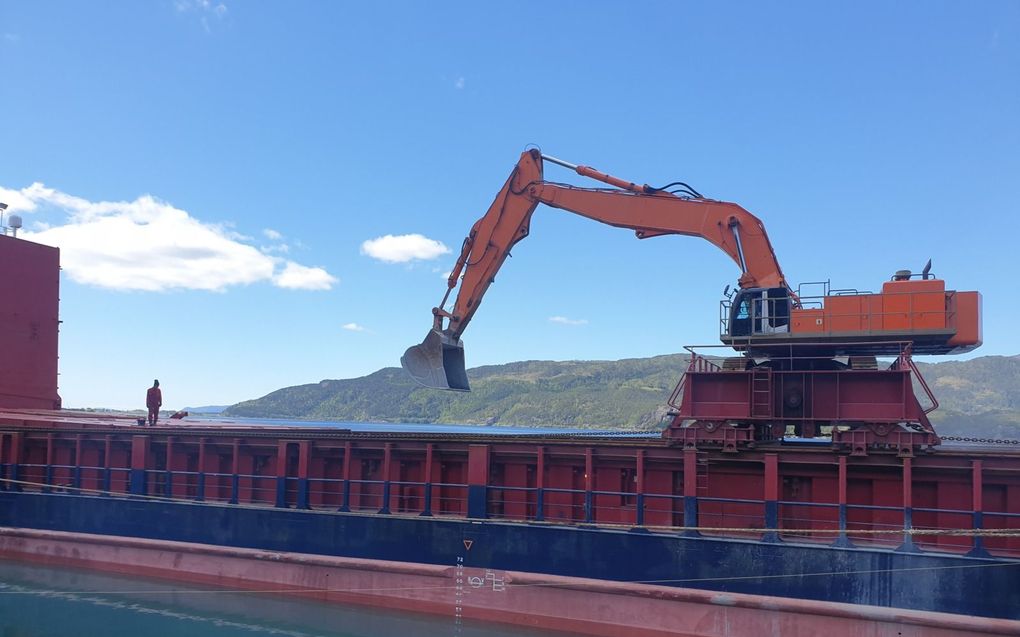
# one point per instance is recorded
(912, 529)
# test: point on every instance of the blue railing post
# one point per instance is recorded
(690, 515)
(281, 492)
(76, 479)
(589, 507)
(540, 505)
(200, 487)
(977, 509)
(48, 479)
(3, 476)
(107, 478)
(771, 492)
(345, 506)
(137, 484)
(978, 547)
(842, 540)
(168, 483)
(235, 488)
(639, 517)
(908, 545)
(427, 508)
(302, 494)
(385, 497)
(15, 476)
(478, 481)
(771, 522)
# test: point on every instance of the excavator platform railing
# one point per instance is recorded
(850, 322)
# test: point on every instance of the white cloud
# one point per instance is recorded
(562, 320)
(459, 83)
(353, 327)
(403, 248)
(203, 8)
(300, 277)
(271, 234)
(150, 245)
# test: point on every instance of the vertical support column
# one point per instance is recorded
(13, 460)
(235, 477)
(48, 471)
(639, 513)
(691, 492)
(168, 475)
(977, 508)
(589, 484)
(79, 443)
(540, 485)
(281, 474)
(108, 464)
(427, 507)
(200, 478)
(478, 481)
(304, 459)
(3, 463)
(842, 540)
(771, 497)
(139, 457)
(387, 464)
(908, 508)
(345, 505)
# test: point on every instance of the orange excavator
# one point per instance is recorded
(762, 315)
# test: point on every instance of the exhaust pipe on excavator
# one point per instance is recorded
(438, 362)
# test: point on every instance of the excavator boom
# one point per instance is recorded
(439, 360)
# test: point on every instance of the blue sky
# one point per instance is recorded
(213, 171)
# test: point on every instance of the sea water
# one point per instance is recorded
(40, 601)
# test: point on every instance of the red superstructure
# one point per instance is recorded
(29, 322)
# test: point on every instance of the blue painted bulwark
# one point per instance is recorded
(880, 577)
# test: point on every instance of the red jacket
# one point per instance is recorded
(153, 398)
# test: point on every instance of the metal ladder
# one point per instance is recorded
(761, 392)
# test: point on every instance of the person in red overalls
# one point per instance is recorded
(153, 400)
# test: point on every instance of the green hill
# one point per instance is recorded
(979, 397)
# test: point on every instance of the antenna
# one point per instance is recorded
(15, 222)
(3, 228)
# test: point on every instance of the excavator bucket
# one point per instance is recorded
(437, 363)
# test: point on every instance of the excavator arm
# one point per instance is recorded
(650, 212)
